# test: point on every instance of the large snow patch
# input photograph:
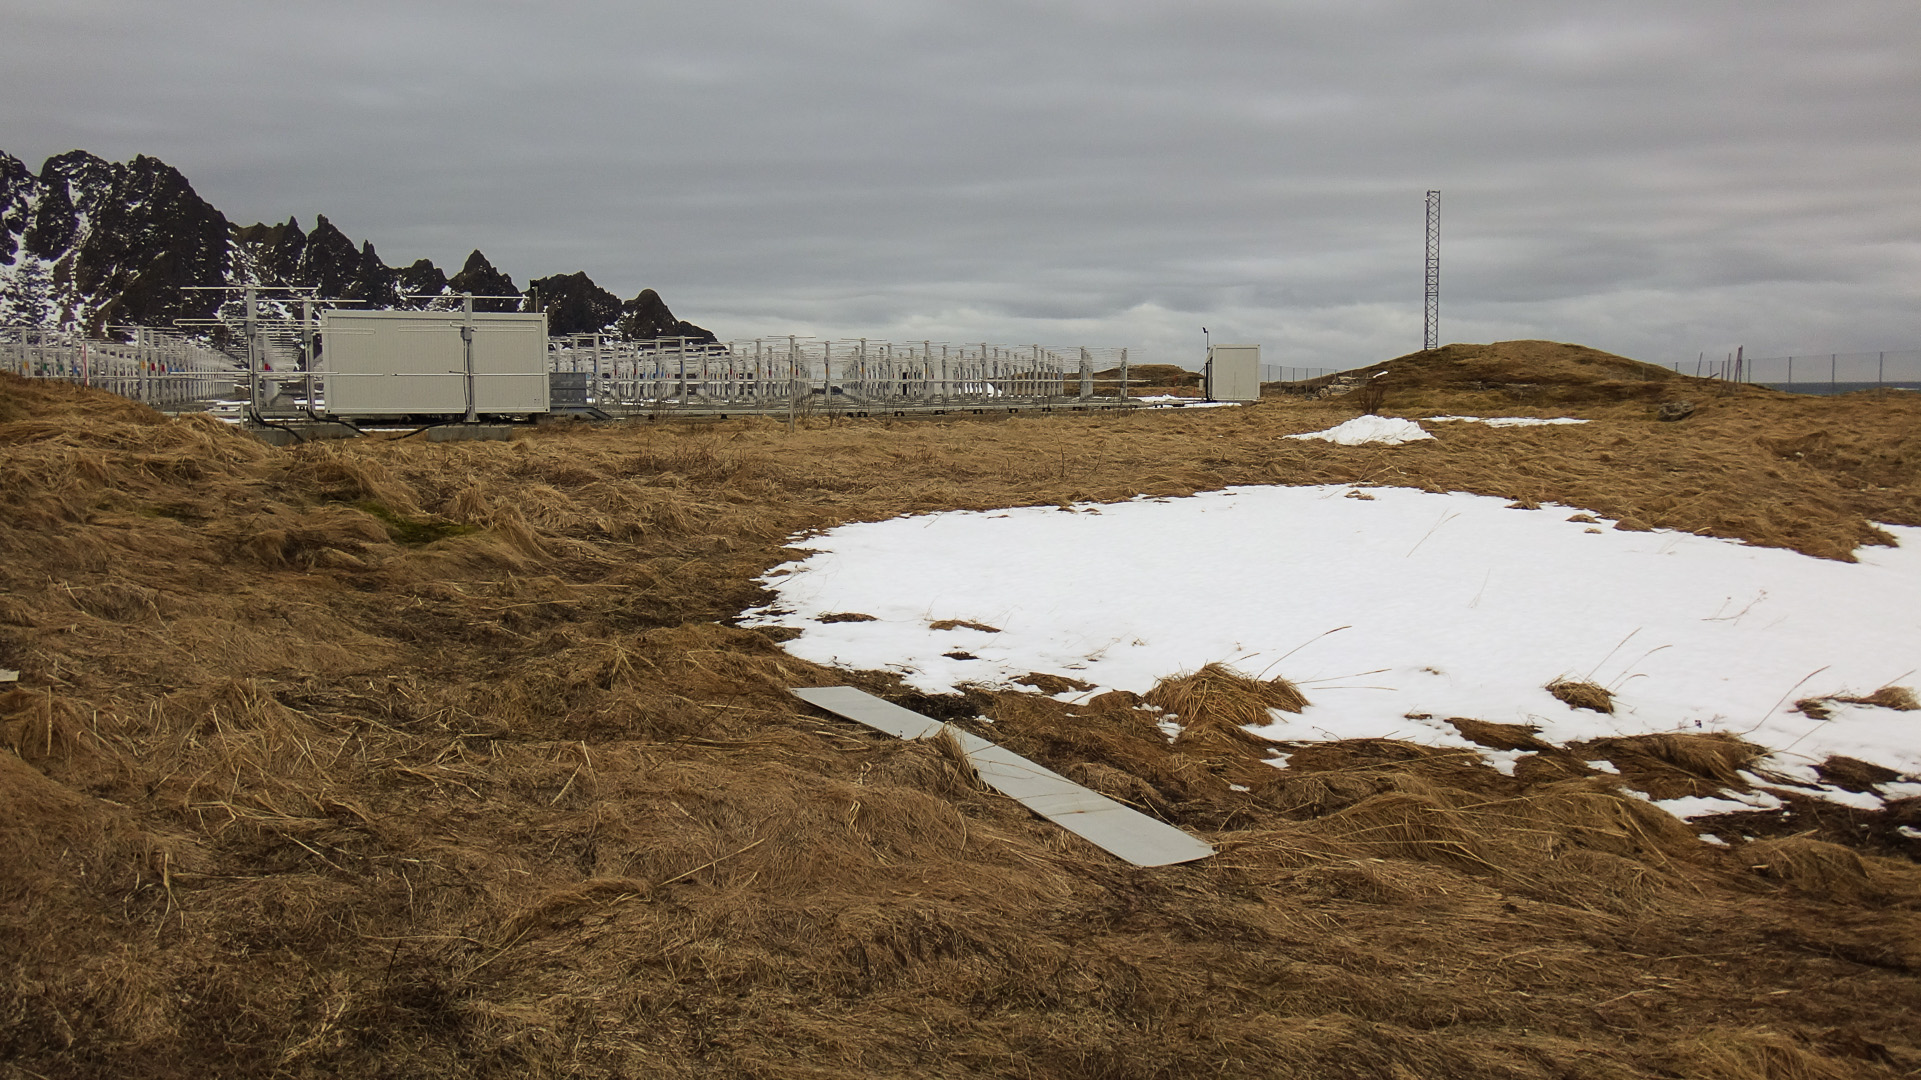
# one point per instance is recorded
(1394, 609)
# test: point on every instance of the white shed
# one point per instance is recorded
(434, 363)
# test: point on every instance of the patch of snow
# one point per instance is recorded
(1391, 430)
(1694, 806)
(1710, 838)
(1856, 799)
(1165, 401)
(1692, 633)
(1503, 761)
(1505, 421)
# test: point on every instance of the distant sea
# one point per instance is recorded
(1825, 387)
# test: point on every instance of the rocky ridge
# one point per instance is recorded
(88, 243)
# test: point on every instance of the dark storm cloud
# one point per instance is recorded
(1650, 178)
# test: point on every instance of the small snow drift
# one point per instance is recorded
(1507, 421)
(1361, 430)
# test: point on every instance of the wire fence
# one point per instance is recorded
(149, 365)
(1280, 373)
(1835, 373)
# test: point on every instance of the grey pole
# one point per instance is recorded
(467, 351)
(253, 355)
(306, 331)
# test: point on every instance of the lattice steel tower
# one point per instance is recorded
(1431, 323)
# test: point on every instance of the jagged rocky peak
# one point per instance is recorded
(646, 317)
(330, 261)
(100, 243)
(421, 281)
(87, 242)
(18, 186)
(271, 254)
(574, 304)
(479, 277)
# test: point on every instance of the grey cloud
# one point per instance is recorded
(1652, 178)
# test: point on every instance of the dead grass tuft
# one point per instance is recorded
(1828, 871)
(1754, 1054)
(42, 728)
(962, 624)
(1673, 765)
(1580, 694)
(1053, 684)
(1500, 736)
(1220, 694)
(1899, 698)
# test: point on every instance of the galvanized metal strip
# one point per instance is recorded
(858, 705)
(1109, 825)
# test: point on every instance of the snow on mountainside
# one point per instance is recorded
(89, 243)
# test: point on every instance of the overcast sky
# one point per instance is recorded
(1650, 177)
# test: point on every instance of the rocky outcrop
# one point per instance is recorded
(646, 317)
(574, 304)
(87, 243)
(479, 277)
(420, 282)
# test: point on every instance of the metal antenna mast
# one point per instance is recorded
(1431, 323)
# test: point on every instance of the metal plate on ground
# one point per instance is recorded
(1093, 817)
(861, 706)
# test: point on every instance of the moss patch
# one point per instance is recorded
(412, 531)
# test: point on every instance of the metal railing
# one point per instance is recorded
(141, 363)
(855, 375)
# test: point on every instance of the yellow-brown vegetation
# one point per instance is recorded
(389, 758)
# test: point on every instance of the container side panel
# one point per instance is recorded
(1235, 373)
(510, 365)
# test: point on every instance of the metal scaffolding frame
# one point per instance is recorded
(137, 362)
(794, 374)
(283, 375)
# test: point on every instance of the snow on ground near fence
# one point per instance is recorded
(1387, 604)
(1175, 401)
(1394, 430)
(1506, 421)
(1369, 429)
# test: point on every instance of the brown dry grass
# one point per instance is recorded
(1581, 694)
(292, 795)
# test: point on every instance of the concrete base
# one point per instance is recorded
(299, 431)
(470, 433)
